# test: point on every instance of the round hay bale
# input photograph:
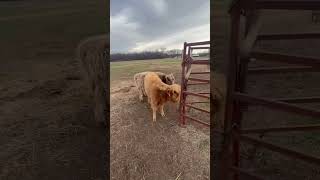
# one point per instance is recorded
(93, 54)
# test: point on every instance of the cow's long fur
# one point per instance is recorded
(93, 54)
(159, 93)
(139, 81)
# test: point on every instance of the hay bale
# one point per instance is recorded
(93, 54)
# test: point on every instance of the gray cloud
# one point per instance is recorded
(150, 24)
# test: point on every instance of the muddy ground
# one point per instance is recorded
(283, 85)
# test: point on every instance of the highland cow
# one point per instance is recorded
(139, 81)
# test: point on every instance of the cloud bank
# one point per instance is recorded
(139, 25)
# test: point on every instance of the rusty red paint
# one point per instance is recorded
(236, 81)
(187, 62)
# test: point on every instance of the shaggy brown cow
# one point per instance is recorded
(159, 93)
(139, 81)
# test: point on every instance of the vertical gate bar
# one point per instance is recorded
(183, 85)
(189, 58)
(187, 67)
(184, 82)
(227, 154)
(240, 107)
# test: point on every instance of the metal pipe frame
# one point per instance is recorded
(195, 102)
(187, 62)
(200, 48)
(282, 150)
(236, 97)
(205, 72)
(290, 59)
(199, 80)
(199, 83)
(199, 109)
(300, 100)
(286, 69)
(288, 36)
(196, 94)
(280, 129)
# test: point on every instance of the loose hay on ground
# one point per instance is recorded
(142, 151)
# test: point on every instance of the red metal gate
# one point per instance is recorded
(237, 99)
(187, 61)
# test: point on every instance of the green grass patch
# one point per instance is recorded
(126, 69)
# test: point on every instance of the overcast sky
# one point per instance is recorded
(138, 25)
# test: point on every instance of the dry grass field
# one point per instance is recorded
(142, 151)
(47, 130)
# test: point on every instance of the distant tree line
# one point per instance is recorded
(158, 54)
(204, 54)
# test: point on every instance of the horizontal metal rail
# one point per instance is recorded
(196, 94)
(204, 93)
(300, 100)
(276, 105)
(288, 4)
(281, 69)
(267, 56)
(246, 173)
(198, 79)
(282, 150)
(205, 72)
(281, 129)
(198, 43)
(199, 83)
(199, 109)
(193, 119)
(288, 36)
(200, 48)
(196, 102)
(201, 62)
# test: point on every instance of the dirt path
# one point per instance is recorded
(140, 150)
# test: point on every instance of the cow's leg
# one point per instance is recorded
(140, 94)
(161, 110)
(154, 110)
